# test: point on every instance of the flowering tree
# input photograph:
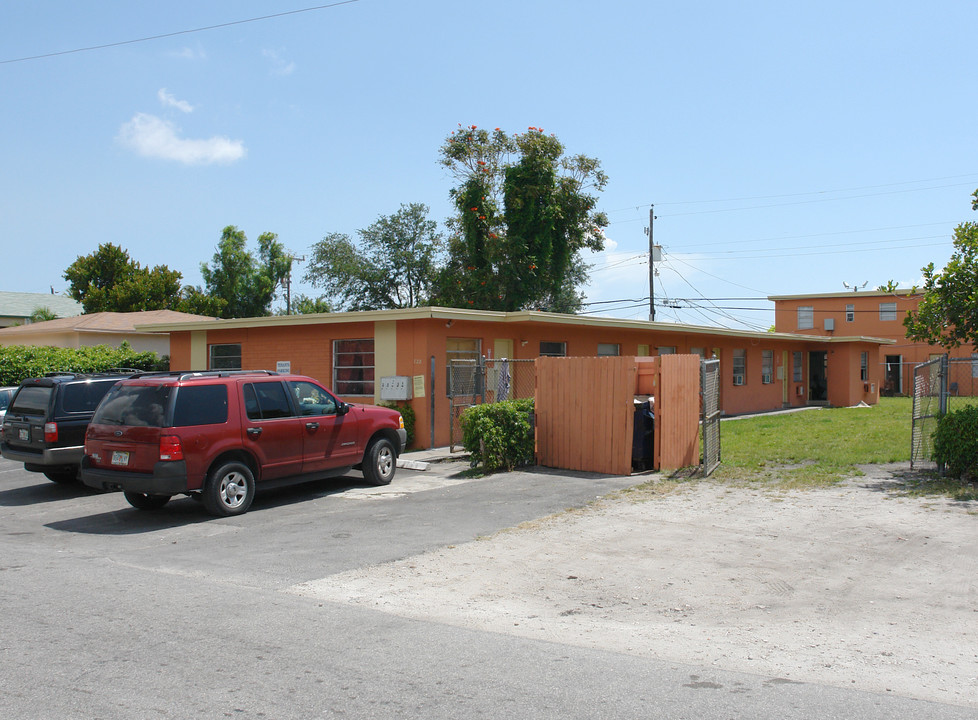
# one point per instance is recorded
(524, 213)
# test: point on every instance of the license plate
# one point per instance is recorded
(24, 434)
(120, 458)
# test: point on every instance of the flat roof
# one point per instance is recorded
(849, 294)
(460, 314)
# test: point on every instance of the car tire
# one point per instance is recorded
(379, 462)
(142, 501)
(61, 476)
(229, 489)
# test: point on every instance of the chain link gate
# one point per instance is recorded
(710, 414)
(480, 380)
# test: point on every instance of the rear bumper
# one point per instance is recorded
(46, 459)
(168, 478)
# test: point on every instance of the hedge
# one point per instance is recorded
(956, 442)
(499, 435)
(19, 362)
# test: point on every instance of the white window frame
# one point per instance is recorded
(888, 312)
(850, 312)
(767, 367)
(806, 317)
(739, 366)
(230, 361)
(367, 386)
(864, 366)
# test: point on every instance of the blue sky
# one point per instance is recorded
(788, 148)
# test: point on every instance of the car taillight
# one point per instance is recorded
(50, 432)
(170, 448)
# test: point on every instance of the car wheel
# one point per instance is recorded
(229, 489)
(379, 462)
(61, 476)
(143, 501)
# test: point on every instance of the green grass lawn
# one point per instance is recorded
(815, 446)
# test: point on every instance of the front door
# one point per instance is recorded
(892, 380)
(818, 389)
(330, 439)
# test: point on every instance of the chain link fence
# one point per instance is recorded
(481, 380)
(939, 386)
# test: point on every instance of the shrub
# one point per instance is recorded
(19, 362)
(407, 412)
(498, 435)
(956, 442)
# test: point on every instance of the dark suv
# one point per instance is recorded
(216, 435)
(45, 423)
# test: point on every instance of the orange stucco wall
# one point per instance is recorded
(309, 349)
(865, 323)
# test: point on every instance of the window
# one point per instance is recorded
(887, 311)
(850, 313)
(608, 349)
(311, 399)
(796, 369)
(806, 317)
(666, 350)
(767, 366)
(225, 357)
(553, 349)
(739, 367)
(353, 367)
(462, 377)
(266, 401)
(864, 366)
(201, 405)
(698, 351)
(974, 365)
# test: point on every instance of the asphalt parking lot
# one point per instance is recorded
(110, 612)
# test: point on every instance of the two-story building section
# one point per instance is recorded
(873, 314)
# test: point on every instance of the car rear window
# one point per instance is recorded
(135, 405)
(32, 400)
(201, 405)
(84, 396)
(266, 401)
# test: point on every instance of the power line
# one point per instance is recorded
(178, 32)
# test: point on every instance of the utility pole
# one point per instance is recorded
(288, 283)
(651, 266)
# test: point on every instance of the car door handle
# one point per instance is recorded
(312, 426)
(254, 432)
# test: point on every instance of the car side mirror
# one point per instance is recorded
(342, 408)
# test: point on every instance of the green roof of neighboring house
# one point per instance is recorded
(22, 304)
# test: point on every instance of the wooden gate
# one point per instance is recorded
(585, 410)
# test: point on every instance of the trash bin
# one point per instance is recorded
(642, 436)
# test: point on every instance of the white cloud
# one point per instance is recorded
(279, 66)
(187, 53)
(169, 101)
(153, 137)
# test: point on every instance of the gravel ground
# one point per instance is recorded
(857, 585)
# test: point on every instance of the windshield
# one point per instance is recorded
(135, 405)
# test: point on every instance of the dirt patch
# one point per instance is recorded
(858, 585)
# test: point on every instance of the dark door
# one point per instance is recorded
(271, 430)
(330, 440)
(818, 389)
(892, 382)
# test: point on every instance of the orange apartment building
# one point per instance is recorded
(352, 352)
(875, 314)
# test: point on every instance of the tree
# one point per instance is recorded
(246, 284)
(108, 280)
(305, 305)
(42, 314)
(393, 265)
(947, 315)
(524, 214)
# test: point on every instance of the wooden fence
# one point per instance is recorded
(585, 410)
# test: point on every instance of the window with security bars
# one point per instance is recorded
(850, 313)
(353, 367)
(864, 366)
(888, 311)
(767, 366)
(806, 317)
(796, 368)
(225, 357)
(553, 349)
(740, 367)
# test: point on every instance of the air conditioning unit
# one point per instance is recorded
(738, 379)
(800, 390)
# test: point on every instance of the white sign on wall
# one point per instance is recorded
(283, 367)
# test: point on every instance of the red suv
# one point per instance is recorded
(215, 435)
